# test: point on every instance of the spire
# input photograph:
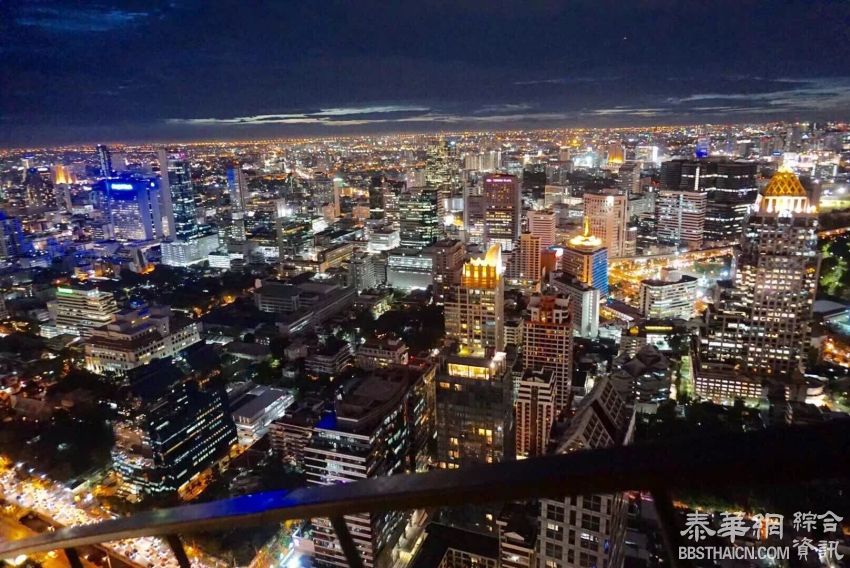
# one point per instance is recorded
(586, 232)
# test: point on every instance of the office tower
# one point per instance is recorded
(584, 302)
(673, 295)
(380, 427)
(542, 225)
(77, 311)
(763, 321)
(646, 154)
(534, 412)
(237, 188)
(680, 217)
(188, 242)
(586, 258)
(447, 256)
(703, 147)
(440, 166)
(419, 222)
(178, 195)
(502, 210)
(548, 343)
(731, 189)
(13, 243)
(170, 428)
(104, 158)
(587, 530)
(475, 308)
(629, 178)
(607, 211)
(132, 207)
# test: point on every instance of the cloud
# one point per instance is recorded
(809, 95)
(322, 116)
(71, 19)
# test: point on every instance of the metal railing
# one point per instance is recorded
(780, 455)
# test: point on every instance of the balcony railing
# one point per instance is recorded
(774, 456)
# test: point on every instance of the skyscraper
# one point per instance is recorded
(132, 205)
(418, 217)
(237, 187)
(680, 217)
(474, 406)
(762, 323)
(607, 212)
(178, 195)
(586, 258)
(548, 343)
(475, 309)
(104, 158)
(542, 225)
(730, 186)
(502, 210)
(77, 311)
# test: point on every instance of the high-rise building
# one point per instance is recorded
(680, 217)
(475, 308)
(587, 530)
(447, 262)
(584, 301)
(418, 218)
(763, 321)
(629, 178)
(178, 195)
(607, 212)
(525, 266)
(132, 206)
(104, 158)
(586, 258)
(188, 241)
(503, 210)
(548, 343)
(77, 311)
(731, 189)
(534, 412)
(474, 398)
(170, 429)
(237, 188)
(542, 225)
(380, 427)
(671, 296)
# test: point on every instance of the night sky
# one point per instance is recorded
(192, 69)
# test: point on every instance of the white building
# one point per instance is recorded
(671, 296)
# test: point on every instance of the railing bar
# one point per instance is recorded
(669, 526)
(73, 558)
(343, 535)
(176, 546)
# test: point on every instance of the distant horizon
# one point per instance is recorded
(402, 133)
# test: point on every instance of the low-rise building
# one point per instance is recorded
(382, 352)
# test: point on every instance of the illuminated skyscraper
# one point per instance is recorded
(132, 206)
(607, 212)
(586, 258)
(548, 343)
(475, 309)
(542, 225)
(474, 406)
(680, 217)
(763, 322)
(105, 160)
(237, 187)
(178, 195)
(418, 218)
(502, 210)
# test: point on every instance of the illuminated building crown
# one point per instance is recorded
(585, 240)
(484, 272)
(784, 195)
